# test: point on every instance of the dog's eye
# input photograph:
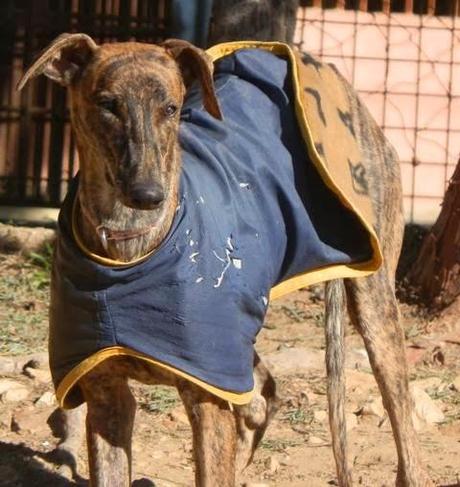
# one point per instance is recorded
(108, 105)
(170, 109)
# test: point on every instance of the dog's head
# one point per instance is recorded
(125, 104)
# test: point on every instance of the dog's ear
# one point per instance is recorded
(62, 60)
(193, 60)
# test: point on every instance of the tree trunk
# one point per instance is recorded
(436, 272)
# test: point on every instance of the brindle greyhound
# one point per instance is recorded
(136, 207)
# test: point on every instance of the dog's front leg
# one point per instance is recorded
(214, 436)
(109, 425)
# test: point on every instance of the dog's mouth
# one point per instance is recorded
(108, 235)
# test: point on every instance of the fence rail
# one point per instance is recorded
(422, 7)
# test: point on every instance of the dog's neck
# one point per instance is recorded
(108, 228)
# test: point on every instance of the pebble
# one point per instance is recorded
(30, 420)
(12, 390)
(373, 407)
(46, 399)
(7, 365)
(22, 239)
(272, 464)
(320, 416)
(315, 440)
(40, 375)
(352, 421)
(8, 384)
(15, 395)
(428, 383)
(178, 415)
(426, 409)
(294, 360)
(456, 383)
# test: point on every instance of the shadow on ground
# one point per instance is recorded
(21, 466)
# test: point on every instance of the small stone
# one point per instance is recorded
(272, 464)
(428, 383)
(15, 395)
(286, 460)
(23, 239)
(295, 360)
(7, 384)
(37, 360)
(7, 365)
(40, 375)
(373, 408)
(46, 399)
(12, 390)
(352, 421)
(5, 421)
(31, 420)
(314, 440)
(425, 408)
(320, 416)
(456, 383)
(178, 415)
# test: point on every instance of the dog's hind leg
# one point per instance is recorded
(214, 436)
(109, 425)
(373, 310)
(252, 419)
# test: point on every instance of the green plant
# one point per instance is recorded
(159, 400)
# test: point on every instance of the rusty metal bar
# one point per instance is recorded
(409, 6)
(386, 7)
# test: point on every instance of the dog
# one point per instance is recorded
(125, 207)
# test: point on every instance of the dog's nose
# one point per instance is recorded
(146, 196)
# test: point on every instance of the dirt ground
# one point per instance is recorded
(296, 450)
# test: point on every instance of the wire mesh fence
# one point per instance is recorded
(406, 68)
(404, 62)
(420, 7)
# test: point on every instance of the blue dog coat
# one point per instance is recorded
(254, 212)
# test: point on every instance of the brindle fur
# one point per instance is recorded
(137, 82)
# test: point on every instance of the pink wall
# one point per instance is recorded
(407, 71)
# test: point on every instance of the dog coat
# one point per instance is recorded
(259, 216)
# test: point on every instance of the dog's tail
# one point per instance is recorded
(334, 328)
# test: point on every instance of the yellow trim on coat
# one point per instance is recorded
(294, 283)
(71, 379)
